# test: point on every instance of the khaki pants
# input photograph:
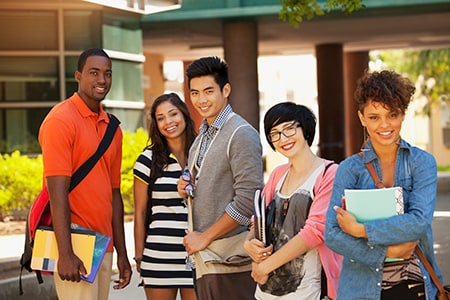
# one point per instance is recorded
(83, 290)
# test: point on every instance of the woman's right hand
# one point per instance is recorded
(255, 248)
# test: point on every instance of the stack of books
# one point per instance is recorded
(88, 245)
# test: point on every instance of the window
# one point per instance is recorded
(19, 129)
(28, 30)
(122, 34)
(82, 29)
(29, 79)
(126, 82)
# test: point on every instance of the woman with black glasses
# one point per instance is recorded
(294, 263)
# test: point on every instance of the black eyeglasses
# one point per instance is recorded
(274, 136)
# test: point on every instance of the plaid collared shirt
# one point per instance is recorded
(209, 132)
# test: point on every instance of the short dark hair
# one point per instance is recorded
(90, 52)
(290, 111)
(213, 65)
(386, 87)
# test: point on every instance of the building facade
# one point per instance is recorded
(41, 42)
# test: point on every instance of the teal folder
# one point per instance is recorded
(374, 204)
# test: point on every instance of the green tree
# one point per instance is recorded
(430, 69)
(294, 11)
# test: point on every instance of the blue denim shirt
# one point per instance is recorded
(362, 267)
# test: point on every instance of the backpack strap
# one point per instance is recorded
(102, 147)
(327, 166)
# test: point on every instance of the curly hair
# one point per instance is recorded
(158, 142)
(386, 87)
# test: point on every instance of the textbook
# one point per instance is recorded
(100, 247)
(88, 245)
(374, 204)
(45, 249)
(259, 218)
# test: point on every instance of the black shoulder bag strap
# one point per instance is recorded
(87, 166)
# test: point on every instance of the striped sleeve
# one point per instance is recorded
(142, 166)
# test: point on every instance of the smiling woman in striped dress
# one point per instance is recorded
(159, 252)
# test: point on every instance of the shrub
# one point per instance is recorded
(21, 176)
(133, 144)
(20, 181)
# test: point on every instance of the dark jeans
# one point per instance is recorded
(407, 290)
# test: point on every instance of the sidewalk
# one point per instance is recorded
(12, 247)
(10, 252)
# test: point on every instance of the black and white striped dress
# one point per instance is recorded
(164, 259)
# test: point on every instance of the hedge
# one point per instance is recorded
(21, 176)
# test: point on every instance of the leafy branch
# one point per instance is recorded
(294, 11)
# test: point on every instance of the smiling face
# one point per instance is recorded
(170, 120)
(292, 144)
(94, 80)
(383, 125)
(207, 97)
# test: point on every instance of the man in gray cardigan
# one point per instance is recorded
(226, 167)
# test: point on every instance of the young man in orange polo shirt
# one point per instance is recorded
(69, 135)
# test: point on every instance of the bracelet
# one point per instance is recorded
(137, 259)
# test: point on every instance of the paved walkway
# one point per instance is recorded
(11, 247)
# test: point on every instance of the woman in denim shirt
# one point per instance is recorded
(382, 99)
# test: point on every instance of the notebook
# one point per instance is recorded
(374, 204)
(88, 245)
(45, 249)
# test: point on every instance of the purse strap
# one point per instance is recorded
(430, 270)
(419, 253)
(378, 183)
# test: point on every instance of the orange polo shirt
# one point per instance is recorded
(69, 135)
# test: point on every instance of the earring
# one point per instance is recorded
(365, 139)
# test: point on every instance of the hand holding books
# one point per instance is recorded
(256, 245)
(375, 204)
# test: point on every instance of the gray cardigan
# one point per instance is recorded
(231, 171)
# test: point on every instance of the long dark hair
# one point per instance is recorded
(158, 142)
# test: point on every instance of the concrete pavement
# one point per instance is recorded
(11, 248)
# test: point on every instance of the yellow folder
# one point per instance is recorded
(45, 249)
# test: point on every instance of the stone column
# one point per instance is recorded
(240, 43)
(355, 63)
(187, 98)
(330, 94)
